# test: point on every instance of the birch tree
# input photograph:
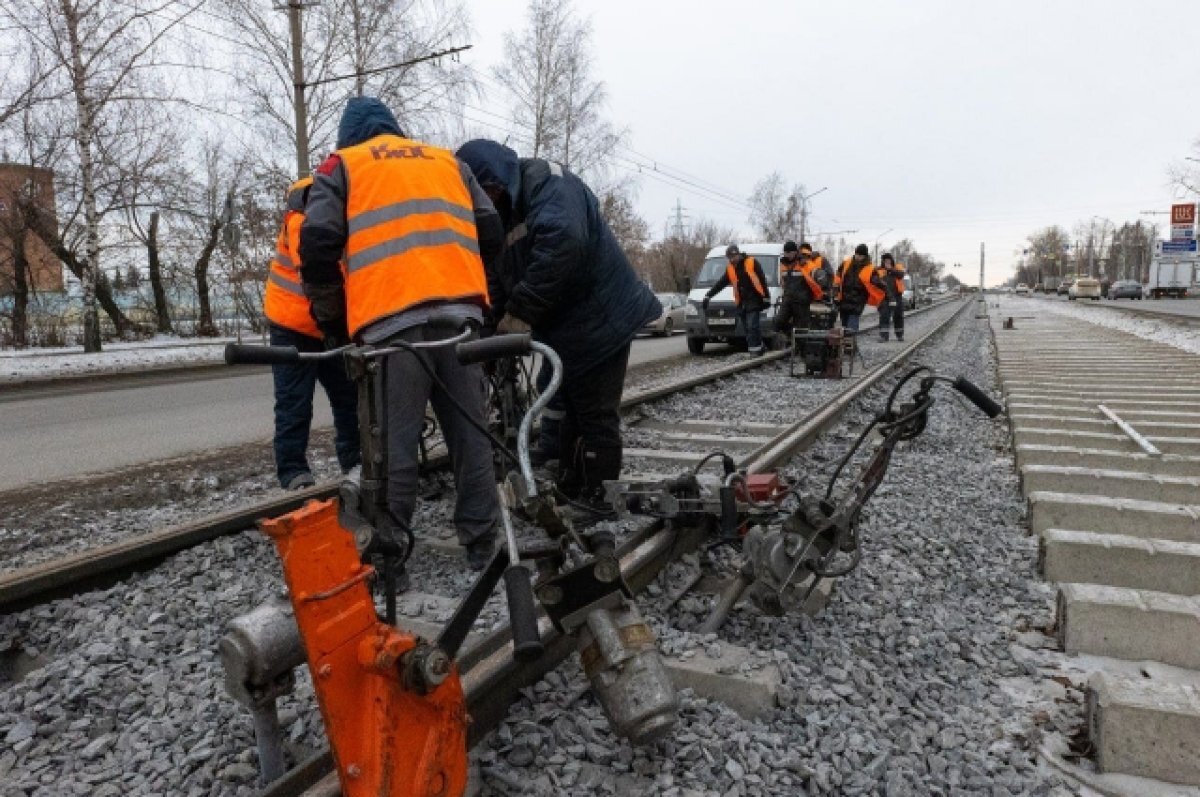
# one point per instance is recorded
(105, 53)
(548, 72)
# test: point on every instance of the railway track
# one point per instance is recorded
(107, 564)
(1107, 438)
(492, 683)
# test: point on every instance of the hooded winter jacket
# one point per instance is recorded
(562, 270)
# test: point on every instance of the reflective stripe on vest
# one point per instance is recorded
(411, 225)
(284, 302)
(731, 275)
(810, 268)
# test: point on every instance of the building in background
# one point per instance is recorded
(46, 270)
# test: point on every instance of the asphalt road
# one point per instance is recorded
(1187, 308)
(107, 423)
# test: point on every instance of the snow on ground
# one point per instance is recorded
(163, 351)
(1159, 330)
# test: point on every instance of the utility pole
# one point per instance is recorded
(303, 165)
(981, 259)
(804, 212)
(678, 225)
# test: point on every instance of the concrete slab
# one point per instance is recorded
(1145, 728)
(1129, 624)
(1142, 519)
(715, 441)
(746, 682)
(1118, 442)
(1083, 557)
(1079, 408)
(1172, 427)
(1029, 454)
(1110, 482)
(717, 426)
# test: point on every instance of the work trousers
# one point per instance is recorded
(409, 390)
(591, 426)
(751, 318)
(850, 318)
(795, 312)
(295, 385)
(891, 314)
(550, 425)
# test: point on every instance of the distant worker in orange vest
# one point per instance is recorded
(858, 284)
(891, 312)
(806, 278)
(750, 294)
(414, 228)
(291, 324)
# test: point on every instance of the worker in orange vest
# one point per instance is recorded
(806, 278)
(750, 294)
(291, 324)
(858, 284)
(413, 227)
(891, 312)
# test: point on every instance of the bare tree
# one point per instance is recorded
(105, 52)
(548, 71)
(631, 230)
(674, 262)
(774, 211)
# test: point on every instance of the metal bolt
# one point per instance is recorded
(607, 570)
(550, 594)
(325, 671)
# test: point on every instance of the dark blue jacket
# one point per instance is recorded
(562, 270)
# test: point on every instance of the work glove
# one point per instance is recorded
(510, 324)
(335, 341)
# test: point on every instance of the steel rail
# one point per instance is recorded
(104, 565)
(491, 676)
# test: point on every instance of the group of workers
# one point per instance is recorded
(391, 232)
(807, 278)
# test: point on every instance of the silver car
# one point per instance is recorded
(674, 305)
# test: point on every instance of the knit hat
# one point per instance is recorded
(790, 246)
(887, 258)
(732, 249)
(862, 249)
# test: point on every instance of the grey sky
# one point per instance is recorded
(953, 122)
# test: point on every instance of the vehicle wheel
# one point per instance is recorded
(668, 328)
(696, 345)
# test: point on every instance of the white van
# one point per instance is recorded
(722, 323)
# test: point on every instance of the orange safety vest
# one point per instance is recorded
(284, 302)
(898, 272)
(412, 237)
(807, 271)
(875, 296)
(731, 275)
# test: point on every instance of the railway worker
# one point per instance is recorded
(412, 224)
(750, 294)
(891, 310)
(859, 283)
(291, 324)
(563, 275)
(807, 278)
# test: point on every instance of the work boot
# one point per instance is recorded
(479, 552)
(300, 481)
(900, 336)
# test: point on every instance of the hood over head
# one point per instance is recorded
(887, 258)
(493, 164)
(363, 119)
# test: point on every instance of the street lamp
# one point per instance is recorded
(885, 232)
(804, 210)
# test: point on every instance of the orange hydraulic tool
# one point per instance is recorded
(393, 704)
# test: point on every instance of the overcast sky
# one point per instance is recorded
(951, 121)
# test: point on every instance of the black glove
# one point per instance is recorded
(335, 341)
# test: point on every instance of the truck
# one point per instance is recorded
(1170, 277)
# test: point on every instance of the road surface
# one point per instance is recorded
(107, 423)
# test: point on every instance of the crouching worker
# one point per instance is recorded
(564, 276)
(291, 324)
(411, 223)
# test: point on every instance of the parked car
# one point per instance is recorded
(1084, 288)
(910, 297)
(1022, 289)
(672, 318)
(1064, 287)
(1125, 289)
